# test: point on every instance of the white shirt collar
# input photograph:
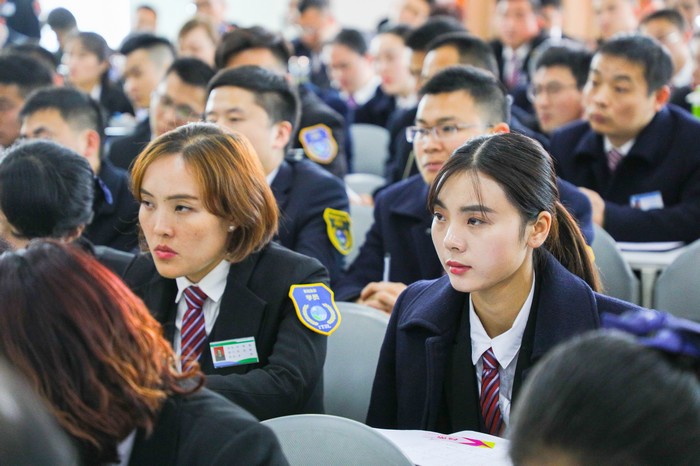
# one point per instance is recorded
(521, 52)
(506, 345)
(409, 101)
(213, 284)
(623, 149)
(270, 177)
(96, 92)
(684, 77)
(366, 92)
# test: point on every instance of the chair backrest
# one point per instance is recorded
(351, 360)
(618, 279)
(677, 289)
(323, 440)
(364, 183)
(362, 219)
(370, 148)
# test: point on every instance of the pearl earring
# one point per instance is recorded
(231, 228)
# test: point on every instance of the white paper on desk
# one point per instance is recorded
(463, 448)
(652, 247)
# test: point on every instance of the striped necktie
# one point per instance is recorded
(490, 385)
(614, 158)
(193, 332)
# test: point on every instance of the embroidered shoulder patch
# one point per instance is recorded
(315, 307)
(338, 224)
(318, 143)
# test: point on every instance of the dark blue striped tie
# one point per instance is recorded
(490, 388)
(193, 331)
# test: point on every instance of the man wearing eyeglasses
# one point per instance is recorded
(458, 103)
(556, 90)
(181, 97)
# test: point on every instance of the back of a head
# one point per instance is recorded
(352, 39)
(61, 19)
(23, 419)
(160, 49)
(242, 39)
(25, 72)
(35, 51)
(76, 108)
(643, 51)
(471, 50)
(575, 58)
(431, 29)
(603, 399)
(486, 90)
(60, 200)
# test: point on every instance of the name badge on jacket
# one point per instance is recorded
(233, 352)
(647, 201)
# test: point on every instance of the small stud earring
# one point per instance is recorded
(231, 228)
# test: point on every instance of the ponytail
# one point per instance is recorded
(567, 245)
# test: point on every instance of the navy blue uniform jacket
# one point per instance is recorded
(377, 110)
(303, 191)
(425, 377)
(402, 229)
(665, 157)
(114, 224)
(122, 151)
(289, 377)
(204, 429)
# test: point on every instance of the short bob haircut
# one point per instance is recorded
(230, 176)
(46, 190)
(87, 345)
(604, 399)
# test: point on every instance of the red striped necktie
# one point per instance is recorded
(193, 331)
(614, 158)
(490, 388)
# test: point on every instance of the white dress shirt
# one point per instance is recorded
(623, 149)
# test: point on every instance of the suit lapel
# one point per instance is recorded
(282, 184)
(161, 446)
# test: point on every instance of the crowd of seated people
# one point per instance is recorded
(189, 201)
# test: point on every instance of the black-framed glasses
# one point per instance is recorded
(446, 131)
(182, 112)
(549, 89)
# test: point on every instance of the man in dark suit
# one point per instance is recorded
(317, 26)
(635, 157)
(313, 204)
(72, 119)
(147, 59)
(322, 132)
(458, 103)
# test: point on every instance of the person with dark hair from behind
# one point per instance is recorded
(313, 204)
(106, 372)
(213, 277)
(518, 280)
(556, 88)
(60, 204)
(634, 157)
(607, 400)
(63, 24)
(19, 76)
(399, 164)
(86, 55)
(181, 97)
(458, 103)
(72, 119)
(24, 418)
(317, 27)
(322, 131)
(148, 57)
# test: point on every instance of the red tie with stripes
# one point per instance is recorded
(193, 332)
(490, 385)
(614, 159)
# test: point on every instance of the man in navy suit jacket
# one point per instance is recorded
(636, 158)
(458, 103)
(313, 204)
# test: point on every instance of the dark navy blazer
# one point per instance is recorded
(303, 191)
(402, 229)
(425, 378)
(377, 110)
(665, 157)
(123, 150)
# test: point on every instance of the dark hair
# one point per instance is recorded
(61, 19)
(87, 344)
(603, 399)
(192, 71)
(555, 3)
(471, 50)
(76, 108)
(35, 51)
(256, 37)
(144, 6)
(60, 195)
(25, 72)
(431, 29)
(400, 30)
(230, 177)
(352, 39)
(488, 92)
(304, 5)
(668, 14)
(644, 51)
(525, 172)
(535, 4)
(272, 92)
(576, 59)
(159, 48)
